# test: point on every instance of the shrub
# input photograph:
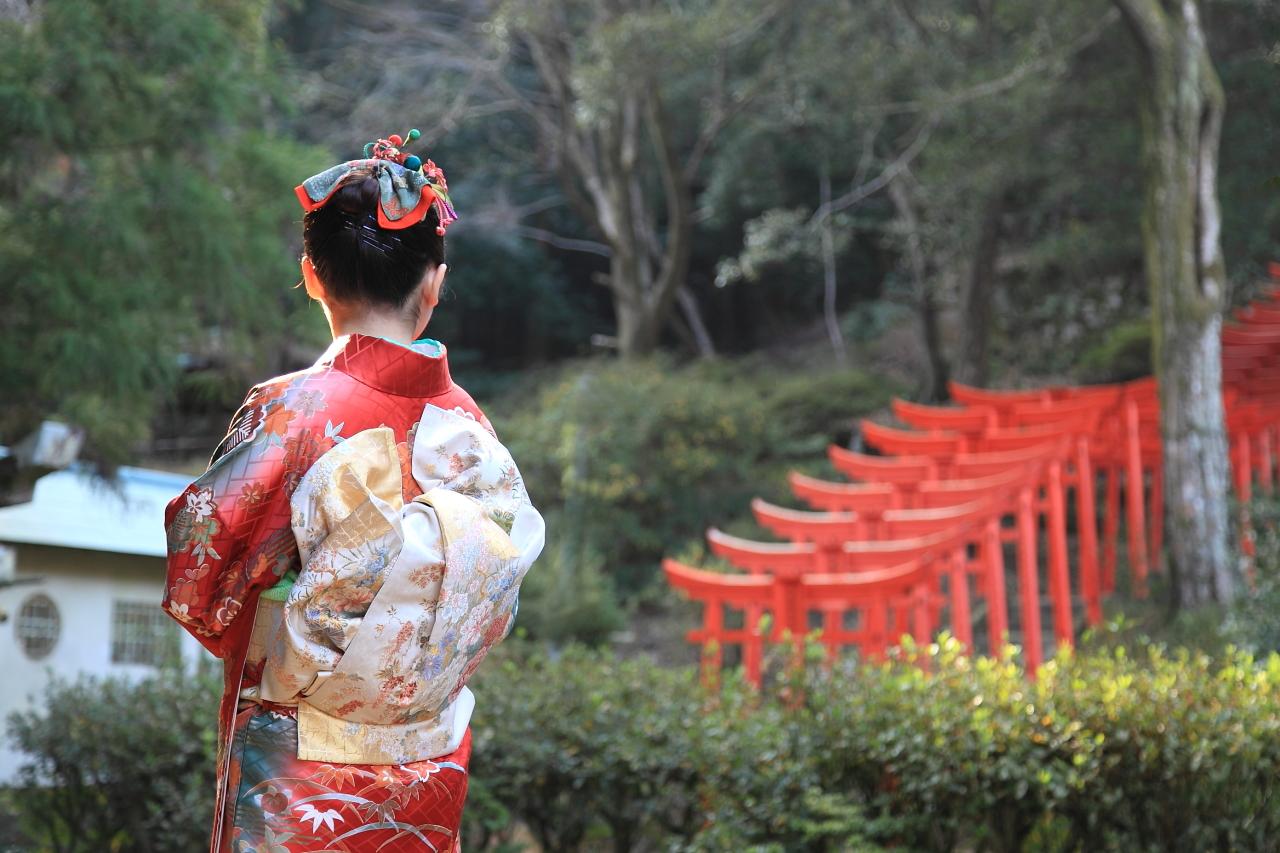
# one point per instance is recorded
(1102, 751)
(759, 779)
(1255, 618)
(631, 459)
(118, 765)
(567, 596)
(1123, 353)
(586, 743)
(585, 748)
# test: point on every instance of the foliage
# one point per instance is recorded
(1154, 751)
(115, 109)
(1018, 107)
(586, 746)
(1124, 353)
(1250, 219)
(118, 765)
(1103, 750)
(868, 321)
(635, 458)
(784, 245)
(547, 744)
(1028, 103)
(567, 596)
(143, 207)
(759, 778)
(1255, 618)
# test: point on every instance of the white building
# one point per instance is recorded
(89, 557)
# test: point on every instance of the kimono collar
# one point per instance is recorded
(420, 369)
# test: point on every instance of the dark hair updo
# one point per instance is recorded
(357, 260)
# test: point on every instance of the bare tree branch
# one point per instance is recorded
(1003, 83)
(721, 119)
(868, 152)
(891, 170)
(676, 193)
(571, 244)
(829, 281)
(693, 318)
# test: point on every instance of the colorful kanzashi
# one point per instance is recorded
(408, 187)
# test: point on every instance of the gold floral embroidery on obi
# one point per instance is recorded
(396, 604)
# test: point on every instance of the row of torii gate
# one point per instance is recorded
(915, 539)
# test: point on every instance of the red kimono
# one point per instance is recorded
(340, 499)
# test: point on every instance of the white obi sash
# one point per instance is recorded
(397, 604)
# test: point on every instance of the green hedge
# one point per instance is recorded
(582, 751)
(115, 765)
(1104, 751)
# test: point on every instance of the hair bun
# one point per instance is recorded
(357, 197)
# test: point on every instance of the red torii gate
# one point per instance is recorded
(888, 546)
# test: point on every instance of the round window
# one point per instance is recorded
(38, 626)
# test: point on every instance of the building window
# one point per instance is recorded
(38, 626)
(140, 633)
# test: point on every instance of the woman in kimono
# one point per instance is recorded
(355, 547)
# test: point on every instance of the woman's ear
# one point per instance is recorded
(432, 284)
(315, 288)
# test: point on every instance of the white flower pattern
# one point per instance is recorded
(200, 503)
(317, 817)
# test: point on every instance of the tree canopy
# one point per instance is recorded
(145, 210)
(720, 176)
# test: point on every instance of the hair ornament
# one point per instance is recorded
(366, 230)
(408, 186)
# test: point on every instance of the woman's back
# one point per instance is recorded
(353, 551)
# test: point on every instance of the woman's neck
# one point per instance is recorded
(391, 326)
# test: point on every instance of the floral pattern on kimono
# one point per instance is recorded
(284, 805)
(398, 602)
(231, 536)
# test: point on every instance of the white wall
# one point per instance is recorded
(83, 585)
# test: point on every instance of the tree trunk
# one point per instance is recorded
(642, 305)
(972, 365)
(926, 303)
(939, 370)
(1182, 107)
(639, 327)
(830, 317)
(608, 169)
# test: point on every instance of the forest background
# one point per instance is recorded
(697, 238)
